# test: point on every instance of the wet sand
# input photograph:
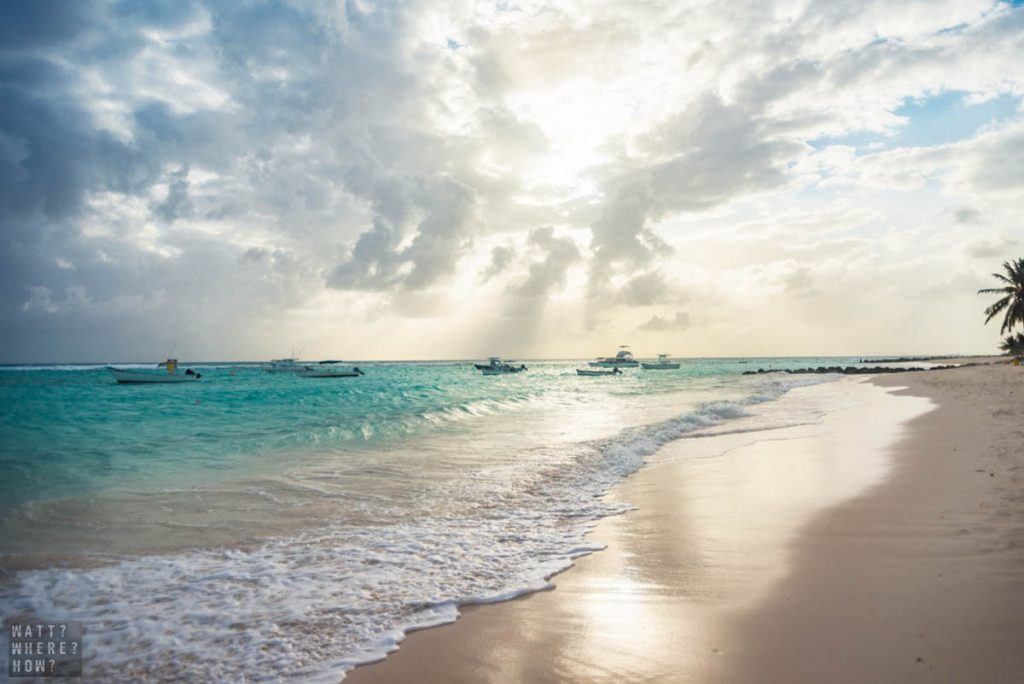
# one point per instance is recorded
(885, 544)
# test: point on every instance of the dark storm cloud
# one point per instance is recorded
(52, 158)
(155, 13)
(303, 124)
(40, 23)
(50, 154)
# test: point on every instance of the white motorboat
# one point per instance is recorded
(495, 366)
(132, 376)
(663, 363)
(589, 372)
(329, 369)
(288, 365)
(623, 359)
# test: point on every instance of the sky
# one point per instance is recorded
(454, 179)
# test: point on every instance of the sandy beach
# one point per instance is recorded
(884, 543)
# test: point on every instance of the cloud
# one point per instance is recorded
(39, 299)
(992, 248)
(177, 204)
(546, 272)
(680, 321)
(541, 268)
(501, 259)
(379, 261)
(234, 172)
(967, 214)
(43, 23)
(705, 155)
(987, 164)
(646, 289)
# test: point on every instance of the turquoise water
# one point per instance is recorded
(350, 510)
(71, 430)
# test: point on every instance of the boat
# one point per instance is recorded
(623, 359)
(502, 370)
(329, 369)
(590, 372)
(288, 365)
(663, 363)
(495, 366)
(131, 376)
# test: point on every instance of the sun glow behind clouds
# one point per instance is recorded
(524, 179)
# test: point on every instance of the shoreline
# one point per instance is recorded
(690, 591)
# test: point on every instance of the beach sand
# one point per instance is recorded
(885, 544)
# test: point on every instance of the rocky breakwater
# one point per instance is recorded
(847, 370)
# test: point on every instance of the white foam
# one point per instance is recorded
(315, 605)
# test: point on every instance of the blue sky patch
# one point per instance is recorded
(935, 120)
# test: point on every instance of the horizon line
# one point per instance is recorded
(919, 357)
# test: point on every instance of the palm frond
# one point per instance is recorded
(1011, 303)
(1000, 276)
(993, 311)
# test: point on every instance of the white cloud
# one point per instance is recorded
(253, 170)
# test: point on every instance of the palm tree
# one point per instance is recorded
(1012, 301)
(1013, 345)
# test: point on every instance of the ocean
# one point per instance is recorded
(256, 526)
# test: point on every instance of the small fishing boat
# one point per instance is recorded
(495, 366)
(506, 370)
(131, 376)
(590, 372)
(623, 359)
(329, 369)
(663, 363)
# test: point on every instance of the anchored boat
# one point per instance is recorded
(495, 366)
(590, 372)
(623, 359)
(329, 369)
(663, 363)
(289, 365)
(126, 376)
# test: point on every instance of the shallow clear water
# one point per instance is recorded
(296, 526)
